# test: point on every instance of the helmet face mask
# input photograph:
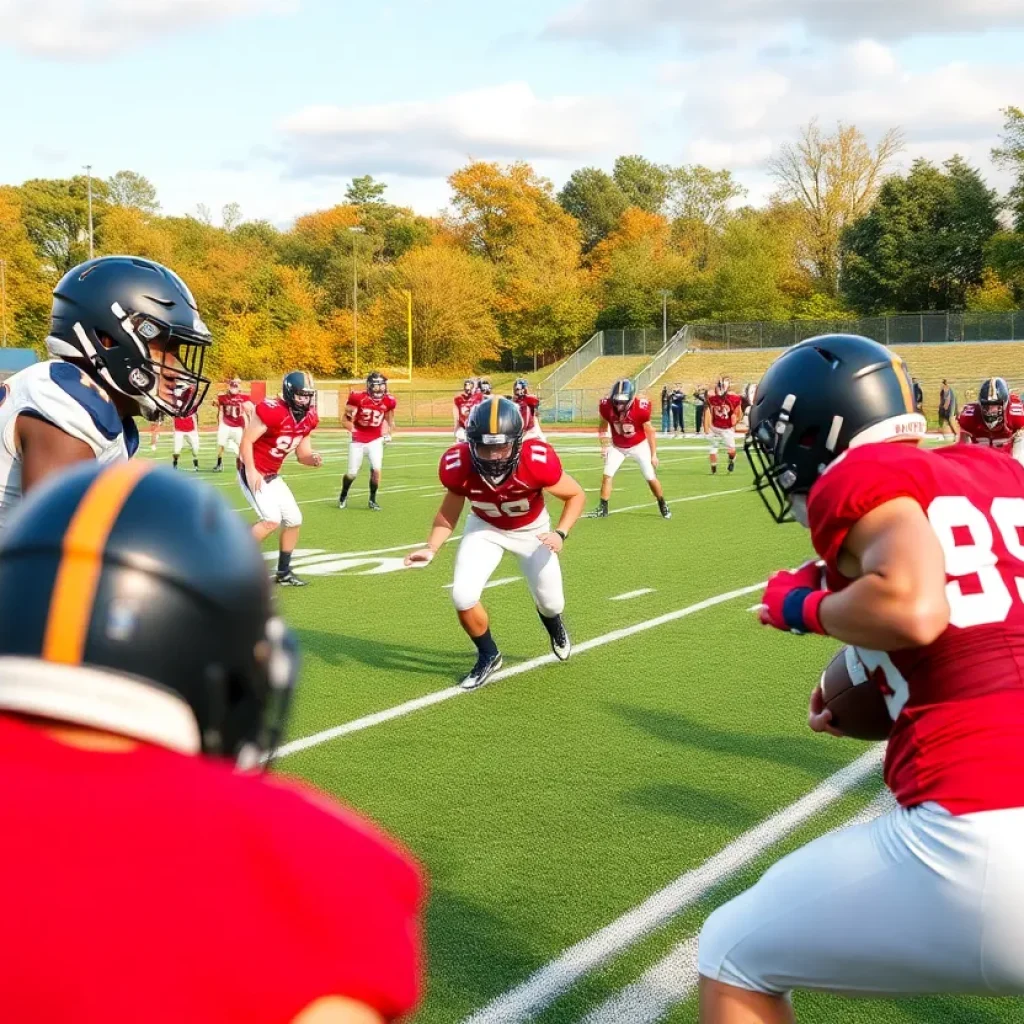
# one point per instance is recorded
(468, 387)
(993, 398)
(495, 438)
(298, 393)
(376, 385)
(520, 388)
(622, 395)
(485, 386)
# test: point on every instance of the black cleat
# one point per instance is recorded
(342, 502)
(561, 645)
(218, 468)
(666, 512)
(732, 465)
(601, 512)
(373, 506)
(289, 579)
(714, 468)
(484, 668)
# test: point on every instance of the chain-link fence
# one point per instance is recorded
(578, 361)
(640, 341)
(901, 329)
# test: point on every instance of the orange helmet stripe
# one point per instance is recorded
(902, 376)
(494, 415)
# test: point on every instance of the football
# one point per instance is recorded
(855, 698)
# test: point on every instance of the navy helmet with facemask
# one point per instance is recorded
(495, 438)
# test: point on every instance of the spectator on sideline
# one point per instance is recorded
(678, 398)
(699, 400)
(947, 410)
(665, 420)
(918, 394)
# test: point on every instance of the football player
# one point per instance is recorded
(528, 405)
(186, 429)
(232, 414)
(484, 387)
(154, 431)
(924, 576)
(462, 406)
(721, 414)
(127, 340)
(370, 416)
(996, 420)
(150, 893)
(628, 417)
(504, 478)
(277, 427)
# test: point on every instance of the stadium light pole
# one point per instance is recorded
(665, 293)
(408, 327)
(3, 303)
(355, 302)
(88, 171)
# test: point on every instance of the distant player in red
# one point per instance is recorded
(186, 431)
(462, 405)
(370, 416)
(722, 412)
(278, 427)
(231, 420)
(528, 405)
(996, 420)
(155, 872)
(628, 419)
(924, 577)
(504, 479)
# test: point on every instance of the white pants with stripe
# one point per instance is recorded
(373, 450)
(480, 552)
(273, 502)
(639, 453)
(722, 435)
(183, 436)
(917, 901)
(229, 437)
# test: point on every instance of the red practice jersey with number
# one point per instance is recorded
(974, 430)
(283, 435)
(723, 409)
(527, 406)
(184, 424)
(958, 704)
(519, 500)
(465, 404)
(627, 429)
(370, 414)
(231, 409)
(147, 885)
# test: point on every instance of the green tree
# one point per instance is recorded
(699, 203)
(55, 215)
(645, 185)
(1011, 155)
(133, 191)
(596, 201)
(231, 216)
(364, 191)
(922, 245)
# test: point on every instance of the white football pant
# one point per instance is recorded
(229, 437)
(480, 551)
(639, 453)
(273, 502)
(722, 435)
(373, 450)
(191, 436)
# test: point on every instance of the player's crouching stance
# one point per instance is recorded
(924, 575)
(278, 427)
(504, 478)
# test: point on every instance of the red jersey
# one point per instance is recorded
(370, 414)
(231, 407)
(150, 885)
(723, 409)
(958, 704)
(974, 430)
(527, 406)
(283, 435)
(184, 424)
(519, 500)
(465, 404)
(627, 429)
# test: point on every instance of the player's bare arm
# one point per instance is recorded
(390, 420)
(254, 430)
(44, 449)
(305, 454)
(443, 527)
(348, 420)
(338, 1010)
(652, 439)
(568, 490)
(706, 425)
(604, 436)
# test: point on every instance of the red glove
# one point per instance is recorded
(792, 598)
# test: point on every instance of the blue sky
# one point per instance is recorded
(276, 103)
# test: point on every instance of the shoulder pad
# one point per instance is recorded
(89, 396)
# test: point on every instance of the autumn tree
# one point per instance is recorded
(646, 185)
(700, 205)
(26, 300)
(1011, 156)
(364, 191)
(55, 217)
(133, 191)
(834, 180)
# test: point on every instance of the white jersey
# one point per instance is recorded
(63, 395)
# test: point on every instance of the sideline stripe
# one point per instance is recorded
(400, 710)
(631, 594)
(673, 979)
(541, 989)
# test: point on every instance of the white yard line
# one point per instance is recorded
(541, 989)
(629, 595)
(400, 710)
(676, 501)
(673, 979)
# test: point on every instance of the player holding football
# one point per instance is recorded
(995, 420)
(370, 416)
(924, 575)
(721, 414)
(462, 405)
(504, 477)
(231, 420)
(632, 436)
(279, 426)
(127, 340)
(186, 429)
(145, 860)
(528, 405)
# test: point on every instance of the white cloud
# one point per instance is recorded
(725, 22)
(423, 138)
(93, 29)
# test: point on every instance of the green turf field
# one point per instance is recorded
(552, 802)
